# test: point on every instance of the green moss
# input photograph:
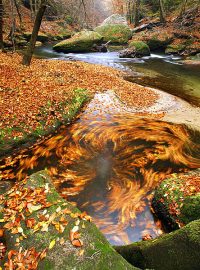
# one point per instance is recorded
(155, 42)
(98, 254)
(41, 36)
(116, 33)
(141, 47)
(178, 250)
(8, 142)
(170, 195)
(81, 42)
(190, 209)
(174, 49)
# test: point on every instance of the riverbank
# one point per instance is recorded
(34, 98)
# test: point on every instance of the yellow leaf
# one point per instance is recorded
(52, 244)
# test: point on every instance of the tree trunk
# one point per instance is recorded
(18, 11)
(162, 11)
(38, 20)
(1, 25)
(137, 12)
(11, 35)
(32, 10)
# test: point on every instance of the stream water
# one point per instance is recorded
(164, 72)
(109, 161)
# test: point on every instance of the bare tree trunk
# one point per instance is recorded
(1, 25)
(162, 11)
(38, 20)
(11, 35)
(32, 9)
(137, 12)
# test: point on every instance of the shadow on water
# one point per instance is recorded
(109, 163)
(164, 72)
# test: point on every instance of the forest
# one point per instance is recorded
(99, 134)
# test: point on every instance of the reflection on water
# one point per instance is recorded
(164, 72)
(108, 162)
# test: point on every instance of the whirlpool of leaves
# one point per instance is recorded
(109, 164)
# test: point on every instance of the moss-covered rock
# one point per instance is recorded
(175, 49)
(178, 250)
(142, 49)
(135, 49)
(64, 35)
(115, 33)
(177, 199)
(47, 223)
(115, 19)
(81, 42)
(41, 36)
(156, 42)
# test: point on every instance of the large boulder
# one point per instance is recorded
(178, 250)
(115, 19)
(156, 42)
(44, 231)
(115, 33)
(61, 36)
(177, 200)
(80, 42)
(135, 49)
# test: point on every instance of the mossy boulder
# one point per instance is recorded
(177, 200)
(20, 41)
(175, 49)
(142, 49)
(115, 33)
(115, 19)
(193, 48)
(178, 250)
(62, 237)
(81, 42)
(41, 36)
(135, 49)
(156, 42)
(61, 36)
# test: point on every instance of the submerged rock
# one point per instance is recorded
(177, 199)
(81, 42)
(136, 49)
(115, 33)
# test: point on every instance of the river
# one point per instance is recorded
(164, 72)
(109, 161)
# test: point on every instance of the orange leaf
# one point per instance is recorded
(77, 243)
